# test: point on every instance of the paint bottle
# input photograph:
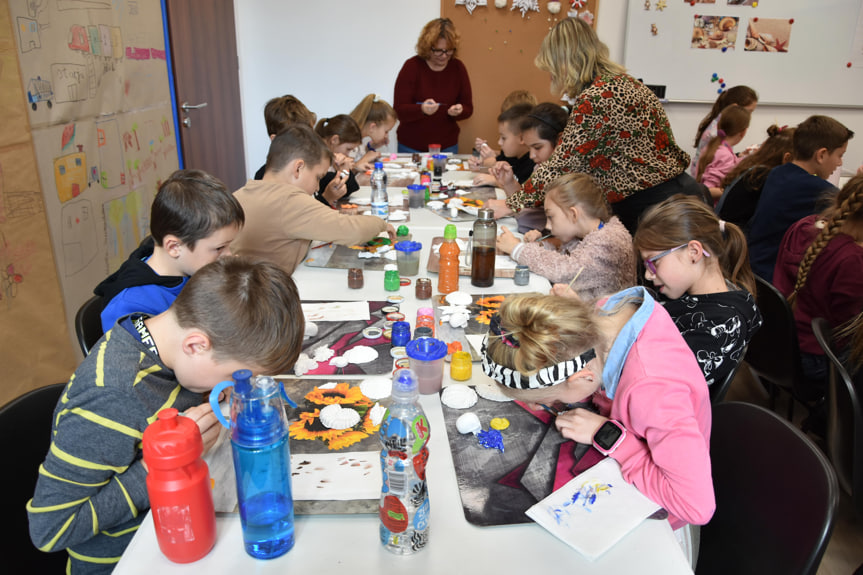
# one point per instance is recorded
(404, 504)
(447, 279)
(483, 249)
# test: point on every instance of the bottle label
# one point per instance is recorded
(381, 210)
(421, 432)
(396, 473)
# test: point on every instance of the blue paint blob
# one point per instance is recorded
(491, 439)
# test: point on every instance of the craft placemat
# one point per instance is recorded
(433, 264)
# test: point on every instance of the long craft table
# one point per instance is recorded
(350, 543)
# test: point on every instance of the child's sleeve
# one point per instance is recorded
(556, 266)
(715, 172)
(93, 478)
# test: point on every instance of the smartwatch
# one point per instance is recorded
(608, 437)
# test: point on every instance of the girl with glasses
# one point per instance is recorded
(627, 357)
(700, 267)
(432, 92)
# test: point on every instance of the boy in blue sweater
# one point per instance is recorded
(792, 190)
(91, 493)
(193, 221)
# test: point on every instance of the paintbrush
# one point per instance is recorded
(323, 245)
(545, 237)
(572, 281)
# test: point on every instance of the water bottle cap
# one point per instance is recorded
(405, 384)
(172, 441)
(379, 165)
(450, 232)
(417, 187)
(260, 419)
(485, 214)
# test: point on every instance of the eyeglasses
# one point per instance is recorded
(439, 52)
(650, 263)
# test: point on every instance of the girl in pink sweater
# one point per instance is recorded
(630, 360)
(718, 157)
(587, 243)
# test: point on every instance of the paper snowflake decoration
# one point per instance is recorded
(471, 4)
(661, 5)
(524, 6)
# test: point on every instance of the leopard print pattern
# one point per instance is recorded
(618, 133)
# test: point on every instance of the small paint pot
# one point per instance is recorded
(396, 300)
(398, 352)
(372, 332)
(389, 309)
(395, 316)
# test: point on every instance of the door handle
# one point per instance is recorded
(186, 106)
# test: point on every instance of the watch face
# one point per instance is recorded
(607, 435)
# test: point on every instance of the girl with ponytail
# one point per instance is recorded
(718, 157)
(376, 118)
(820, 271)
(700, 267)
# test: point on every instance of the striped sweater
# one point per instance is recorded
(91, 493)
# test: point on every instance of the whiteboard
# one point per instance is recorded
(823, 38)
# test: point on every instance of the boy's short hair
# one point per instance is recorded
(297, 141)
(250, 310)
(514, 115)
(518, 97)
(816, 132)
(191, 205)
(281, 112)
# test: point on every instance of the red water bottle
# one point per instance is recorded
(178, 484)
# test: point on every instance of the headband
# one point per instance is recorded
(544, 377)
(557, 129)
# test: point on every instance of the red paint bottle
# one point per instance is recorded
(178, 484)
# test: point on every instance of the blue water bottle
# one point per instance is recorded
(404, 433)
(262, 462)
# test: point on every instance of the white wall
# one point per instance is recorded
(331, 54)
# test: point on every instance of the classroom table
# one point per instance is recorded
(348, 543)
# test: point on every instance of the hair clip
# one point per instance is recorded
(720, 133)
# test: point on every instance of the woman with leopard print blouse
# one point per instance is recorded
(617, 131)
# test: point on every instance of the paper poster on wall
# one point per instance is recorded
(127, 221)
(768, 35)
(714, 32)
(87, 58)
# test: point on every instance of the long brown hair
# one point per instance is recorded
(740, 95)
(847, 208)
(681, 219)
(770, 154)
(342, 126)
(733, 121)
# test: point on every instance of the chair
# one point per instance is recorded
(773, 354)
(88, 323)
(845, 420)
(719, 390)
(25, 425)
(776, 496)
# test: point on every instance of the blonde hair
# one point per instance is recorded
(847, 207)
(372, 110)
(681, 219)
(574, 56)
(578, 190)
(517, 97)
(733, 121)
(549, 329)
(432, 31)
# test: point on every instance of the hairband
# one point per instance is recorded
(722, 226)
(544, 377)
(720, 133)
(557, 129)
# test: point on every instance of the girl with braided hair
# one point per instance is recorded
(820, 271)
(627, 357)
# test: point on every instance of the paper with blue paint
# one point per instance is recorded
(594, 510)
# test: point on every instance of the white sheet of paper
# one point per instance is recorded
(336, 476)
(336, 311)
(594, 510)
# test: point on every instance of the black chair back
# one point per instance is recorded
(25, 423)
(845, 420)
(88, 323)
(776, 496)
(719, 389)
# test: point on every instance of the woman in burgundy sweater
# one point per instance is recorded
(432, 91)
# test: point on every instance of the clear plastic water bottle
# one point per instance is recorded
(404, 433)
(380, 200)
(262, 463)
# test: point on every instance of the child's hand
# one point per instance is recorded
(506, 242)
(429, 107)
(474, 162)
(367, 162)
(455, 110)
(479, 143)
(485, 151)
(860, 171)
(335, 189)
(532, 235)
(208, 425)
(342, 162)
(391, 232)
(563, 290)
(502, 172)
(501, 210)
(484, 180)
(580, 424)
